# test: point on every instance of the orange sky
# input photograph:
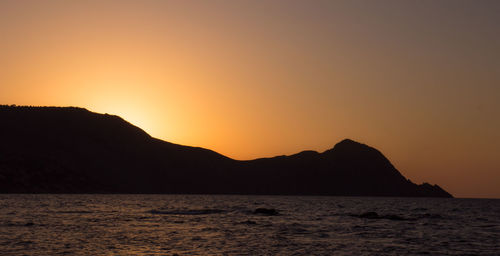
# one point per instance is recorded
(419, 80)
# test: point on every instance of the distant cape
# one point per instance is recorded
(73, 150)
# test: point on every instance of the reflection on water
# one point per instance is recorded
(232, 225)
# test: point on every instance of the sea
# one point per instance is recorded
(246, 225)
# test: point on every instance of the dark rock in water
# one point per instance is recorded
(324, 235)
(266, 211)
(418, 209)
(73, 150)
(369, 215)
(249, 222)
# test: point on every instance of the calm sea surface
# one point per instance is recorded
(228, 225)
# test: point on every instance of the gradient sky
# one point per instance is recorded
(418, 80)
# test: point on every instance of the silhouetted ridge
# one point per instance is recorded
(358, 157)
(349, 143)
(73, 150)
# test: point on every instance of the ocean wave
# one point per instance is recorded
(75, 212)
(188, 212)
(18, 224)
(374, 215)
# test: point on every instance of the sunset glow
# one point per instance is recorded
(419, 80)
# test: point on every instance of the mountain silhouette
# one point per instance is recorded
(73, 150)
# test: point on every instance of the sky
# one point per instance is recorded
(418, 80)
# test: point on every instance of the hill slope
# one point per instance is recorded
(72, 150)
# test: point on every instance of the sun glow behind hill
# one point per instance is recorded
(418, 80)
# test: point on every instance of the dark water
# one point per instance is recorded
(227, 225)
